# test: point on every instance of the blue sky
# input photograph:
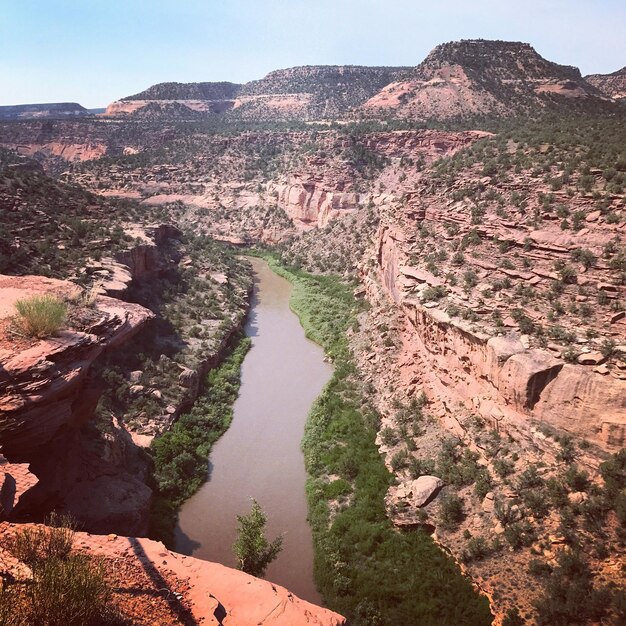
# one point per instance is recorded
(95, 51)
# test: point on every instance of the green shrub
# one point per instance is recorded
(513, 618)
(476, 550)
(40, 315)
(400, 460)
(536, 503)
(483, 483)
(72, 592)
(253, 551)
(520, 534)
(503, 467)
(539, 568)
(389, 436)
(456, 467)
(570, 597)
(36, 544)
(504, 511)
(576, 480)
(451, 513)
(66, 589)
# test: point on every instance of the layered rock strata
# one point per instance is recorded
(46, 399)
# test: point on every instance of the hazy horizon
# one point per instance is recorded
(66, 51)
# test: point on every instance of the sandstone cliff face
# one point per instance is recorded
(508, 383)
(45, 400)
(313, 203)
(323, 190)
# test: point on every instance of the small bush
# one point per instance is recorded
(477, 549)
(570, 596)
(504, 512)
(503, 467)
(520, 534)
(539, 568)
(38, 544)
(40, 316)
(389, 436)
(72, 592)
(513, 618)
(66, 589)
(451, 513)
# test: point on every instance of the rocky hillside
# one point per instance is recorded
(188, 91)
(92, 409)
(612, 85)
(312, 92)
(48, 227)
(177, 101)
(55, 110)
(469, 78)
(57, 144)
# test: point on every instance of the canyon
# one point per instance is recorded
(491, 257)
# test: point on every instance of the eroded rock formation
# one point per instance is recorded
(503, 380)
(46, 399)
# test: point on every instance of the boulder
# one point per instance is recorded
(416, 493)
(591, 358)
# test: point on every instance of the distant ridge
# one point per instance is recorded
(188, 91)
(481, 77)
(313, 91)
(51, 109)
(457, 79)
(612, 85)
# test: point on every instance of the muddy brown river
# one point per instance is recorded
(259, 456)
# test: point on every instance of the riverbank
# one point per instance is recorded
(181, 454)
(364, 568)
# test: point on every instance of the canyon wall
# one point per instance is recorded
(500, 377)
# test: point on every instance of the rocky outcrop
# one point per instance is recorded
(46, 399)
(142, 261)
(411, 495)
(220, 595)
(208, 593)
